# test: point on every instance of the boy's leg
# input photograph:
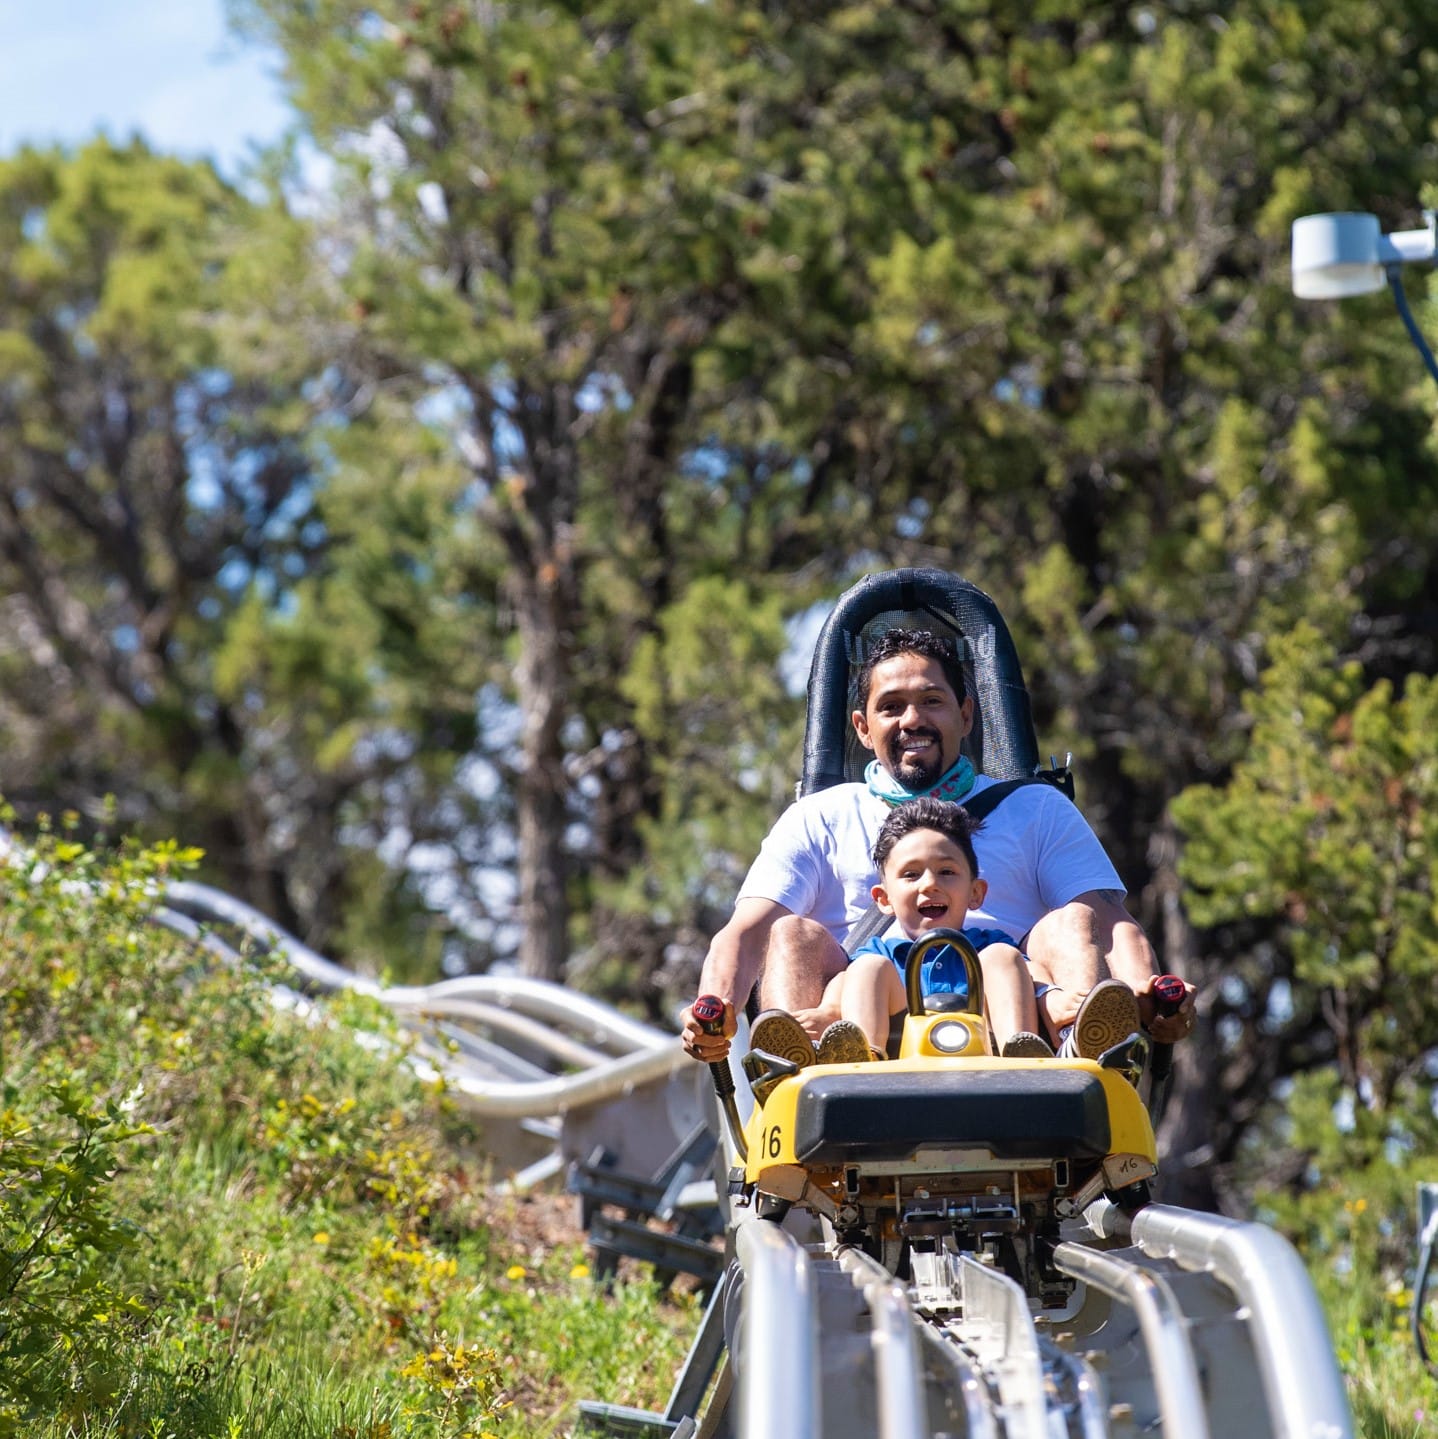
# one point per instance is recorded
(872, 991)
(1008, 993)
(834, 993)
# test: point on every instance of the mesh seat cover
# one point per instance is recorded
(1002, 743)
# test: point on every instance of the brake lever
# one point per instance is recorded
(708, 1010)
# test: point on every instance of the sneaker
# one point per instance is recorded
(1024, 1045)
(777, 1032)
(1107, 1016)
(844, 1043)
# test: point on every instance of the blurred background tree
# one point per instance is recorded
(511, 461)
(195, 600)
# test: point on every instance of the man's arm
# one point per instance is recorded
(731, 969)
(1093, 936)
(1125, 946)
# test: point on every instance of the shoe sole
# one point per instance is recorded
(1108, 1015)
(1026, 1046)
(781, 1035)
(844, 1043)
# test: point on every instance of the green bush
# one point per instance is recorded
(221, 1216)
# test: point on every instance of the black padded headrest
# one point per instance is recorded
(1002, 743)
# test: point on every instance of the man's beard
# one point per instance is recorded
(916, 774)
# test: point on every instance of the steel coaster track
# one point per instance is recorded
(1196, 1327)
(612, 1052)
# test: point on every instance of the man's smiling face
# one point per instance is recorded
(912, 720)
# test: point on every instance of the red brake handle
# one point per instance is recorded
(709, 1011)
(1169, 991)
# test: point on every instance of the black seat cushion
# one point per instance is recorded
(1015, 1112)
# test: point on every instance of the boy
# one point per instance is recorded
(929, 879)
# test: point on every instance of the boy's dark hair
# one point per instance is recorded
(951, 820)
(909, 642)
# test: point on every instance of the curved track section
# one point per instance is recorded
(552, 1075)
(1181, 1324)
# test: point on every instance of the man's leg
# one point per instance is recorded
(801, 958)
(1064, 951)
(1091, 938)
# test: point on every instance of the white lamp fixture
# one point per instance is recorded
(1335, 256)
(1344, 254)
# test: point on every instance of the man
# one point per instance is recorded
(1050, 883)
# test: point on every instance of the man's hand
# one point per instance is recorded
(1059, 1007)
(705, 1047)
(816, 1021)
(1166, 1028)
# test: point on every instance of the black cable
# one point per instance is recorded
(1395, 283)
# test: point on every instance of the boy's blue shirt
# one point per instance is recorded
(943, 970)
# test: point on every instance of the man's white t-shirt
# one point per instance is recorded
(1035, 849)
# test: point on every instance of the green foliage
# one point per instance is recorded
(467, 509)
(1356, 1231)
(1328, 827)
(720, 733)
(223, 1217)
(211, 631)
(461, 1389)
(66, 1317)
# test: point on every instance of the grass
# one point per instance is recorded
(219, 1219)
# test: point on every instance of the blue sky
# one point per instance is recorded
(165, 68)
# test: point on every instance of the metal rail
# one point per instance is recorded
(534, 1099)
(778, 1367)
(528, 1010)
(604, 1026)
(600, 1023)
(1171, 1356)
(500, 1020)
(1306, 1398)
(894, 1338)
(1187, 1275)
(999, 1330)
(967, 1381)
(209, 905)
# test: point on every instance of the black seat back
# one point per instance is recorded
(1001, 744)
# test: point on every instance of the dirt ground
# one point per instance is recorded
(534, 1222)
(528, 1227)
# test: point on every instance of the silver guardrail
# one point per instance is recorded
(1301, 1381)
(1174, 1366)
(1306, 1397)
(777, 1361)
